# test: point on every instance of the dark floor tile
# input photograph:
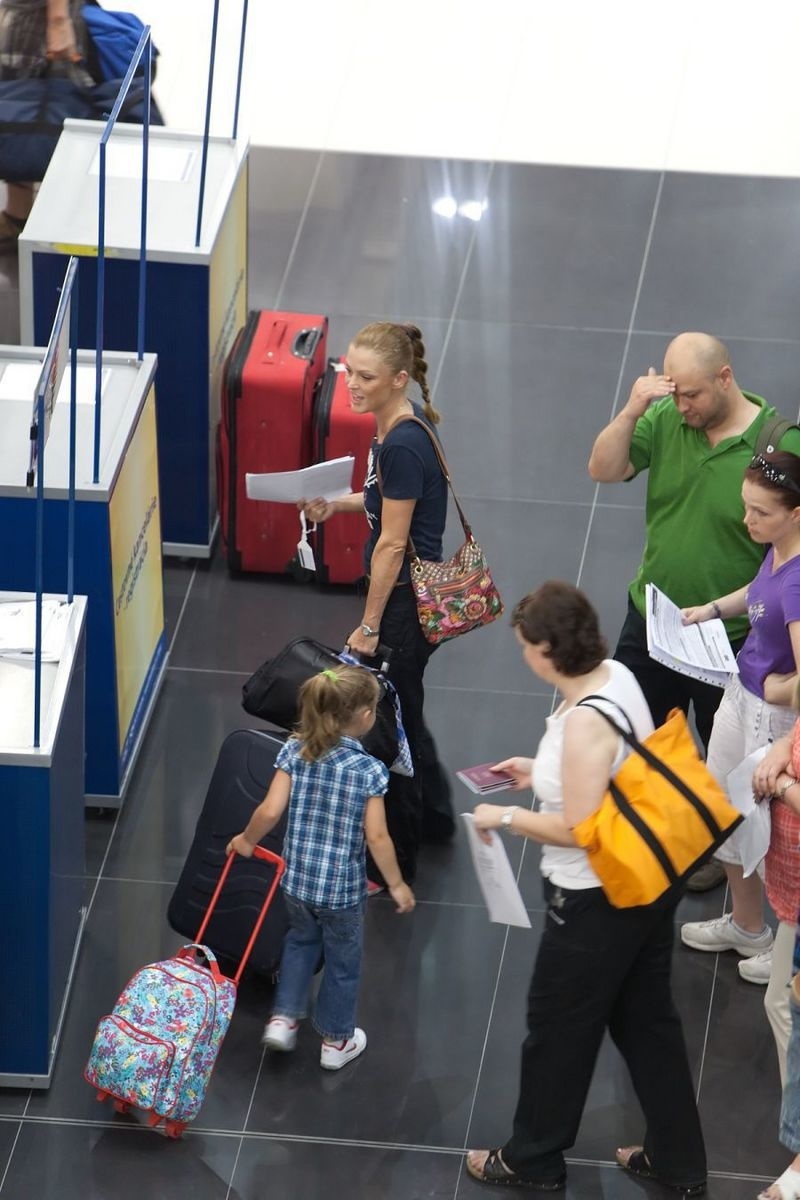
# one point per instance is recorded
(279, 183)
(9, 305)
(425, 1000)
(195, 713)
(299, 1170)
(178, 577)
(12, 1102)
(8, 1133)
(99, 827)
(372, 242)
(525, 544)
(722, 257)
(79, 1162)
(559, 246)
(740, 1054)
(234, 624)
(613, 552)
(522, 406)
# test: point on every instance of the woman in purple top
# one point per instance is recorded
(756, 710)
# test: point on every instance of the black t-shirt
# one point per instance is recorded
(410, 470)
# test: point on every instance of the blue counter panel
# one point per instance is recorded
(177, 330)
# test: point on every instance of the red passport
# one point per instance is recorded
(482, 780)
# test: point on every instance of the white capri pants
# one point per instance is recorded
(742, 724)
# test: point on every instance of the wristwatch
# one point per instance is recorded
(508, 817)
(368, 632)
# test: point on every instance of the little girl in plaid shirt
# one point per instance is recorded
(334, 791)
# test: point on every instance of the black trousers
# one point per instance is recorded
(664, 688)
(599, 968)
(420, 806)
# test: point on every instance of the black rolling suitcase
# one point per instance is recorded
(241, 777)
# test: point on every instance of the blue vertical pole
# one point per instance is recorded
(73, 419)
(37, 661)
(204, 160)
(148, 70)
(239, 76)
(98, 330)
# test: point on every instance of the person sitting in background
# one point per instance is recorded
(34, 33)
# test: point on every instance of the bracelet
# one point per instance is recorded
(782, 791)
(716, 609)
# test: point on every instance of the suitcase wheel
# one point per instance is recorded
(121, 1106)
(101, 1096)
(174, 1129)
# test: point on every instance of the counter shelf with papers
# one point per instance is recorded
(117, 541)
(42, 867)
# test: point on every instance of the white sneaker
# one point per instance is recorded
(721, 934)
(280, 1033)
(335, 1055)
(757, 968)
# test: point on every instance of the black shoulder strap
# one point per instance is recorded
(772, 432)
(656, 764)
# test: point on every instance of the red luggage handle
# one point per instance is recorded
(280, 867)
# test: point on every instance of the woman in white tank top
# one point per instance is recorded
(597, 967)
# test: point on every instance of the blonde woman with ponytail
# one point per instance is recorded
(404, 495)
(334, 791)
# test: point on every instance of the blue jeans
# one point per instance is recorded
(790, 1108)
(335, 934)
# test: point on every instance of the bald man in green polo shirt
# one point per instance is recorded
(694, 430)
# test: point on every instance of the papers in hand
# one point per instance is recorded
(327, 481)
(700, 651)
(752, 836)
(496, 878)
(18, 629)
(482, 780)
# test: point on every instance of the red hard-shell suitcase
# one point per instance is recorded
(268, 389)
(339, 543)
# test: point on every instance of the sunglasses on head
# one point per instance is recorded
(773, 474)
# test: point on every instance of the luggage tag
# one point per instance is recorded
(305, 555)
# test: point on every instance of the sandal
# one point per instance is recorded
(634, 1159)
(494, 1170)
(785, 1187)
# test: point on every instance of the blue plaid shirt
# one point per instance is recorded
(324, 847)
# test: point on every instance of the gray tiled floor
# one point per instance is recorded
(537, 319)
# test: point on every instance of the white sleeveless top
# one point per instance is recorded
(568, 866)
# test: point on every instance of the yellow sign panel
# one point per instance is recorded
(227, 286)
(135, 529)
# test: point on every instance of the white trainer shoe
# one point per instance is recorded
(721, 934)
(335, 1055)
(757, 968)
(280, 1034)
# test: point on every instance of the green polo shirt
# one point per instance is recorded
(697, 547)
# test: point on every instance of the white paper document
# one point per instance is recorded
(18, 629)
(700, 651)
(752, 836)
(327, 480)
(496, 878)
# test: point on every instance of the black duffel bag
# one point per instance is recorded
(272, 694)
(32, 112)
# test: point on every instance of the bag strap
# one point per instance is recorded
(445, 471)
(771, 433)
(657, 764)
